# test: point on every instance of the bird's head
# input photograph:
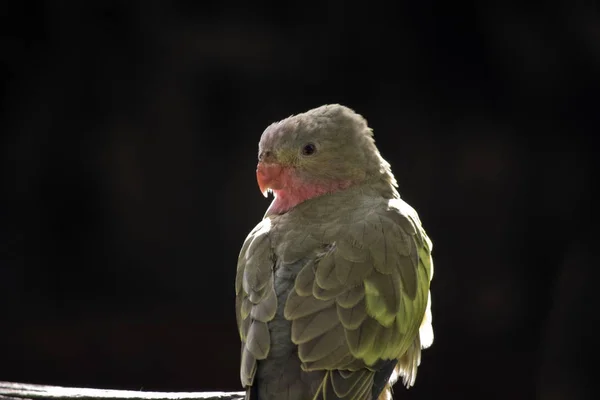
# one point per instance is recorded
(323, 150)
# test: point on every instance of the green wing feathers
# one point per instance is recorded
(364, 300)
(347, 385)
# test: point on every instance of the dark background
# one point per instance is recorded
(129, 141)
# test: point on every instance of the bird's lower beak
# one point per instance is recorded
(268, 177)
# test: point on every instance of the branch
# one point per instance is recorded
(19, 391)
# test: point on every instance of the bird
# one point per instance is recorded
(332, 285)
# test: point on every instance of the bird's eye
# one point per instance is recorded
(309, 149)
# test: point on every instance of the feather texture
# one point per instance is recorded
(332, 286)
(361, 296)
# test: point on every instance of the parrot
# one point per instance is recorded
(333, 284)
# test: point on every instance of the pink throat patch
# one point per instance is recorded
(296, 191)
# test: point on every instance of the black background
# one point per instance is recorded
(129, 141)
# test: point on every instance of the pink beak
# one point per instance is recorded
(268, 177)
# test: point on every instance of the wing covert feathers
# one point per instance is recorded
(370, 287)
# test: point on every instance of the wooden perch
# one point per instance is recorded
(18, 391)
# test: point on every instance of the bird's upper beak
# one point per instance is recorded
(268, 176)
